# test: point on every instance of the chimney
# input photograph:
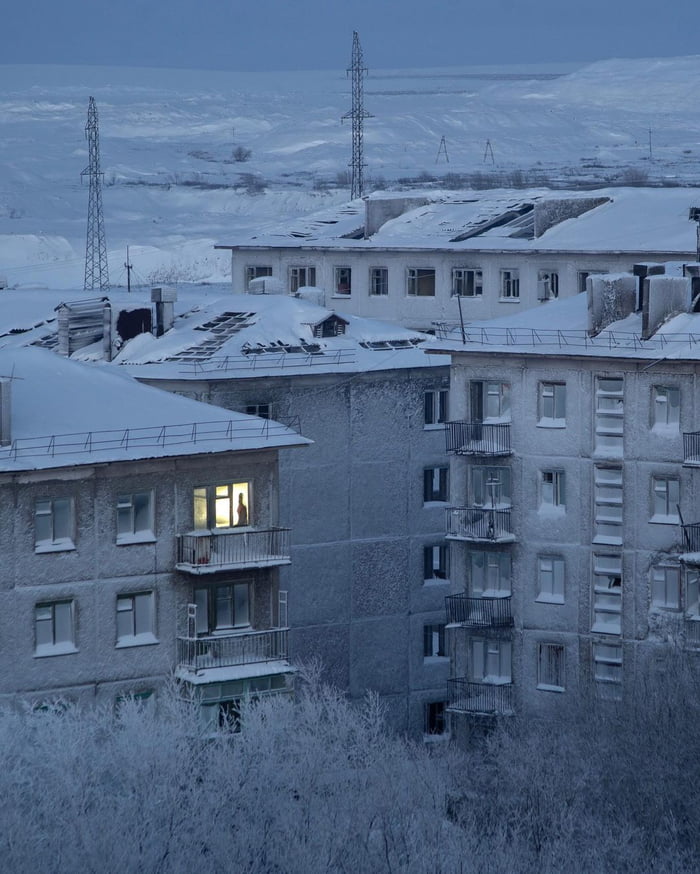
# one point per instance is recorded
(611, 297)
(164, 299)
(5, 412)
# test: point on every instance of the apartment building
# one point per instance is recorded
(574, 455)
(418, 258)
(140, 538)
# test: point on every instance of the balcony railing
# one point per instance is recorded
(691, 537)
(196, 653)
(691, 448)
(484, 699)
(479, 612)
(479, 524)
(691, 633)
(205, 552)
(471, 438)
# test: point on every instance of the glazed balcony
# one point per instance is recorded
(476, 438)
(480, 699)
(240, 648)
(479, 613)
(479, 525)
(207, 552)
(691, 449)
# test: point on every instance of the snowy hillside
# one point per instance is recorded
(169, 141)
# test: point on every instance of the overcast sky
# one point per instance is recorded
(317, 34)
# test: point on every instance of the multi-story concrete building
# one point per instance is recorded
(140, 539)
(574, 450)
(419, 258)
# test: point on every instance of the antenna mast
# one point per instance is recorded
(358, 115)
(96, 275)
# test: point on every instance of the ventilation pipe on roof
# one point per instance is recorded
(164, 299)
(5, 412)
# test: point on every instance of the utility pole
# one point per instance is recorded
(358, 115)
(129, 267)
(96, 273)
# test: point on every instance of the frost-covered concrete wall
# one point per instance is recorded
(97, 570)
(651, 451)
(358, 600)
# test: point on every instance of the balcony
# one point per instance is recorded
(479, 524)
(479, 613)
(691, 633)
(691, 449)
(480, 699)
(246, 648)
(207, 552)
(476, 438)
(691, 540)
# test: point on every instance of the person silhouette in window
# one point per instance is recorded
(241, 511)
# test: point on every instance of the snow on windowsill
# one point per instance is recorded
(551, 510)
(140, 537)
(54, 649)
(663, 519)
(605, 540)
(545, 687)
(436, 426)
(509, 300)
(436, 581)
(436, 660)
(64, 545)
(551, 423)
(146, 639)
(549, 599)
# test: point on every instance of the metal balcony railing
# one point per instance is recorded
(691, 633)
(196, 653)
(472, 438)
(479, 612)
(486, 699)
(691, 448)
(202, 552)
(691, 537)
(479, 524)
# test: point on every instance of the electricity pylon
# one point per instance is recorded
(358, 115)
(96, 273)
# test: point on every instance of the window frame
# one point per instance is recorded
(551, 582)
(489, 573)
(212, 502)
(662, 498)
(467, 282)
(547, 284)
(659, 580)
(434, 641)
(216, 626)
(435, 408)
(415, 279)
(440, 572)
(482, 495)
(378, 279)
(64, 528)
(493, 650)
(551, 667)
(145, 534)
(341, 283)
(662, 400)
(66, 644)
(555, 498)
(606, 598)
(552, 394)
(256, 271)
(436, 484)
(489, 401)
(142, 628)
(509, 284)
(295, 273)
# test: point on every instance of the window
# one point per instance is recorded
(608, 505)
(255, 272)
(607, 594)
(221, 608)
(692, 592)
(666, 587)
(607, 669)
(547, 285)
(490, 660)
(135, 517)
(435, 406)
(467, 282)
(552, 404)
(135, 619)
(378, 281)
(225, 506)
(420, 282)
(553, 489)
(434, 717)
(434, 641)
(550, 667)
(550, 579)
(666, 408)
(53, 524)
(263, 411)
(489, 487)
(300, 277)
(435, 484)
(489, 573)
(665, 498)
(609, 416)
(54, 628)
(436, 562)
(342, 280)
(489, 401)
(510, 285)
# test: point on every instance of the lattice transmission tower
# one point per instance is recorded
(358, 115)
(96, 273)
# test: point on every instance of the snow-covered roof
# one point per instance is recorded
(65, 413)
(634, 220)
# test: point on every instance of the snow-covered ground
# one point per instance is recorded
(173, 187)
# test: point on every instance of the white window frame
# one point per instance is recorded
(510, 285)
(136, 619)
(609, 415)
(490, 486)
(553, 489)
(490, 660)
(378, 281)
(665, 498)
(211, 501)
(210, 620)
(342, 281)
(666, 587)
(301, 276)
(436, 485)
(494, 399)
(490, 573)
(551, 579)
(135, 522)
(666, 408)
(435, 408)
(552, 402)
(54, 524)
(436, 563)
(434, 641)
(551, 667)
(467, 282)
(255, 271)
(547, 284)
(419, 277)
(608, 504)
(54, 628)
(607, 593)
